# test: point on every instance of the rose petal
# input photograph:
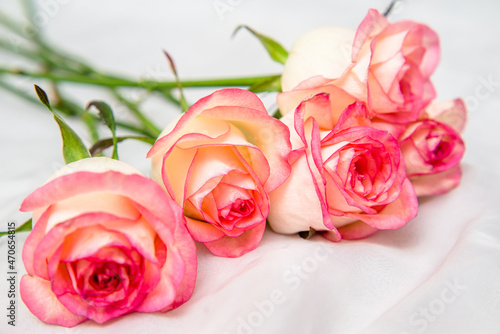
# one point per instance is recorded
(72, 207)
(395, 214)
(452, 113)
(436, 184)
(56, 237)
(33, 240)
(41, 301)
(372, 24)
(137, 188)
(224, 97)
(358, 230)
(202, 231)
(185, 246)
(237, 246)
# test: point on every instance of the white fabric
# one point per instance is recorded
(438, 274)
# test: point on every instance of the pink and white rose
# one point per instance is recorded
(347, 182)
(219, 161)
(389, 71)
(106, 241)
(432, 148)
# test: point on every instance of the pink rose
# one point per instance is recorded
(395, 61)
(390, 69)
(432, 148)
(106, 241)
(219, 161)
(348, 182)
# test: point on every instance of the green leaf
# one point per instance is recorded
(272, 84)
(42, 96)
(106, 115)
(275, 50)
(73, 147)
(102, 144)
(24, 227)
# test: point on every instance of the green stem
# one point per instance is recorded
(12, 25)
(111, 81)
(29, 9)
(18, 50)
(27, 97)
(222, 82)
(148, 125)
(168, 95)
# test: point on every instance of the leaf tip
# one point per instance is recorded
(42, 96)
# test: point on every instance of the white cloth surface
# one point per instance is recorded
(438, 274)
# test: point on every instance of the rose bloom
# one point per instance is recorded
(219, 161)
(347, 182)
(105, 241)
(432, 148)
(390, 67)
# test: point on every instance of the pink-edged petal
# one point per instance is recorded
(395, 214)
(436, 184)
(237, 246)
(357, 230)
(386, 70)
(317, 107)
(180, 268)
(224, 97)
(355, 114)
(452, 113)
(41, 301)
(172, 170)
(266, 133)
(288, 101)
(186, 247)
(421, 34)
(212, 164)
(372, 24)
(33, 240)
(339, 98)
(312, 142)
(141, 190)
(173, 271)
(72, 207)
(164, 293)
(332, 235)
(394, 129)
(56, 237)
(96, 313)
(139, 234)
(203, 231)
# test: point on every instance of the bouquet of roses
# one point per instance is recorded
(357, 138)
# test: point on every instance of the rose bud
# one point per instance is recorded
(432, 148)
